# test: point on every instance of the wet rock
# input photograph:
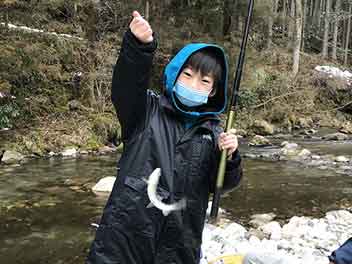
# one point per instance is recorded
(304, 153)
(259, 141)
(11, 157)
(336, 136)
(316, 157)
(289, 149)
(262, 127)
(106, 149)
(341, 159)
(51, 154)
(289, 145)
(104, 185)
(69, 152)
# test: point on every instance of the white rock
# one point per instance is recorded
(341, 159)
(304, 153)
(69, 152)
(273, 229)
(104, 185)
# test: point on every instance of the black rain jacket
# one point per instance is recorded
(155, 136)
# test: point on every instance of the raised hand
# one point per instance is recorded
(141, 28)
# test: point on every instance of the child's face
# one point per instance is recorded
(196, 81)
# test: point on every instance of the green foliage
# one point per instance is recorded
(9, 112)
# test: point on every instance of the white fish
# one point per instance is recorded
(156, 200)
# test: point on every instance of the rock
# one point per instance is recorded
(11, 157)
(304, 122)
(289, 149)
(261, 219)
(304, 153)
(341, 159)
(257, 233)
(259, 140)
(69, 152)
(106, 149)
(273, 229)
(104, 185)
(32, 147)
(336, 136)
(75, 105)
(262, 127)
(316, 157)
(289, 145)
(51, 154)
(346, 128)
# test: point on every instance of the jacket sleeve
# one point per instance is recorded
(130, 83)
(342, 255)
(233, 172)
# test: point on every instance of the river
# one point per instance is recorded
(46, 206)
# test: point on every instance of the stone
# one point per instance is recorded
(261, 219)
(336, 136)
(258, 140)
(69, 152)
(263, 128)
(104, 185)
(11, 157)
(341, 159)
(304, 153)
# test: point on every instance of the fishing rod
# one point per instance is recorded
(230, 115)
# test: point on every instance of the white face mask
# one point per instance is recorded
(190, 97)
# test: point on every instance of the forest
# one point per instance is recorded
(57, 57)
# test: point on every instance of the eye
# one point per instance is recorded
(188, 74)
(205, 81)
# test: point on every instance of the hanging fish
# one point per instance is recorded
(156, 200)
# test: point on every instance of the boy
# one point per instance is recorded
(178, 132)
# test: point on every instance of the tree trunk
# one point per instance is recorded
(271, 23)
(305, 10)
(147, 10)
(326, 30)
(298, 39)
(284, 16)
(317, 12)
(348, 33)
(336, 29)
(291, 24)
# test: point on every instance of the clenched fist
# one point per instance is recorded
(228, 141)
(141, 28)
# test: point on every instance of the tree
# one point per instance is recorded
(348, 32)
(326, 30)
(336, 29)
(298, 38)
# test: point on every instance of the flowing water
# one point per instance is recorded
(46, 207)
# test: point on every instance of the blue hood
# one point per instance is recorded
(218, 102)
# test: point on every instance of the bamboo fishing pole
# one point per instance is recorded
(230, 115)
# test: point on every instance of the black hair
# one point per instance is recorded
(206, 62)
